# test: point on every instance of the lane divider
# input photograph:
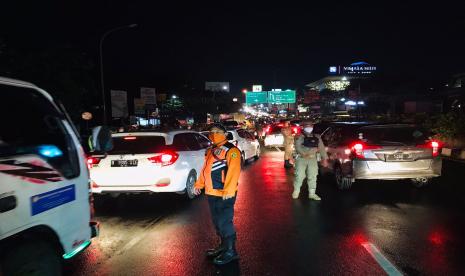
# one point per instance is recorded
(385, 264)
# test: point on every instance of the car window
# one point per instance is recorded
(185, 142)
(249, 135)
(137, 144)
(242, 134)
(394, 135)
(326, 137)
(203, 142)
(275, 130)
(31, 123)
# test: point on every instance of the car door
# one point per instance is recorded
(253, 143)
(245, 143)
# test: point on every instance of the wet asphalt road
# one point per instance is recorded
(419, 231)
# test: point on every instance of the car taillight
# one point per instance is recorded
(268, 129)
(358, 148)
(91, 161)
(164, 158)
(434, 145)
(296, 130)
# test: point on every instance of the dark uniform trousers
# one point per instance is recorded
(222, 215)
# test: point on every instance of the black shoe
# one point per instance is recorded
(229, 254)
(215, 252)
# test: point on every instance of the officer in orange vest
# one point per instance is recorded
(219, 177)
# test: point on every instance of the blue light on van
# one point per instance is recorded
(50, 151)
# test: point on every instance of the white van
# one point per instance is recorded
(45, 204)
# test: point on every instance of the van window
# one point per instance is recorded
(29, 123)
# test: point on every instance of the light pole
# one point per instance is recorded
(101, 65)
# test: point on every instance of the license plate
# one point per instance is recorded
(124, 163)
(398, 157)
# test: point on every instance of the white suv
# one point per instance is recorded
(149, 162)
(45, 204)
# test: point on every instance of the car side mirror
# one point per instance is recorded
(101, 139)
(229, 136)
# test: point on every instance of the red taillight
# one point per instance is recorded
(91, 161)
(358, 148)
(165, 158)
(295, 130)
(130, 138)
(268, 129)
(434, 145)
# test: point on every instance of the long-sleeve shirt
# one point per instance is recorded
(221, 171)
(309, 153)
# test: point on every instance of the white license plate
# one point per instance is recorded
(124, 163)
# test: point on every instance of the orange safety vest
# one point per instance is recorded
(221, 170)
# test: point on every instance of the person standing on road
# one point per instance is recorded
(219, 177)
(288, 144)
(307, 147)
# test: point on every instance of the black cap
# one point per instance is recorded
(217, 125)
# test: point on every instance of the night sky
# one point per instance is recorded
(245, 44)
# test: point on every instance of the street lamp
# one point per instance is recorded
(101, 64)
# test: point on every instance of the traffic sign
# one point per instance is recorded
(281, 97)
(255, 97)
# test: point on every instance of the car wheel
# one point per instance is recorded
(32, 258)
(421, 182)
(342, 182)
(190, 184)
(257, 153)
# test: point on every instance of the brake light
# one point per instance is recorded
(434, 145)
(358, 148)
(164, 158)
(130, 138)
(268, 129)
(91, 161)
(295, 130)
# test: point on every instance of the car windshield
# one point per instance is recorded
(137, 144)
(394, 135)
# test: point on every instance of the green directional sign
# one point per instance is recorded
(256, 97)
(281, 97)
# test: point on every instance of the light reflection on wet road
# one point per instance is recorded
(420, 231)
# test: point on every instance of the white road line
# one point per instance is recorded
(385, 264)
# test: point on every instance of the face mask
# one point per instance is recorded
(308, 129)
(217, 138)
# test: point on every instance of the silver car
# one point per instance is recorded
(387, 152)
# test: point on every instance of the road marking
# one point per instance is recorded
(385, 264)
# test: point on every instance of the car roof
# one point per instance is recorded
(20, 83)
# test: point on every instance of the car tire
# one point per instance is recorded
(257, 153)
(32, 258)
(191, 178)
(342, 182)
(421, 182)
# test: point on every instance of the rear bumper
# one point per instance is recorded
(361, 170)
(170, 186)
